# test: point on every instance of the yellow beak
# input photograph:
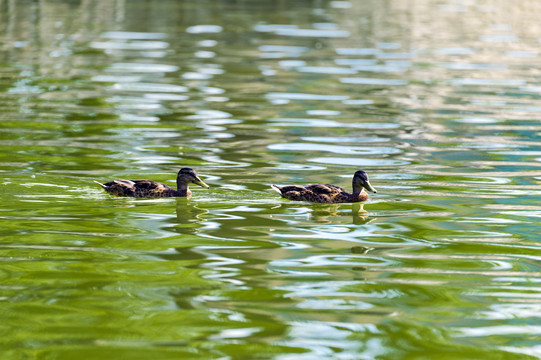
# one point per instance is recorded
(369, 187)
(201, 183)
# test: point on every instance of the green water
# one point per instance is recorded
(438, 101)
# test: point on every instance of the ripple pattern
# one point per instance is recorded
(437, 101)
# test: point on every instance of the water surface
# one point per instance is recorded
(438, 102)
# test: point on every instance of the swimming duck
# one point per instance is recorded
(326, 193)
(153, 189)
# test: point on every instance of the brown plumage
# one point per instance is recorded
(326, 193)
(153, 189)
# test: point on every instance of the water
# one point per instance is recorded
(437, 101)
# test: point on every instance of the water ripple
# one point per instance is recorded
(304, 96)
(357, 162)
(292, 30)
(142, 68)
(125, 35)
(132, 45)
(204, 29)
(353, 150)
(330, 123)
(372, 81)
(149, 87)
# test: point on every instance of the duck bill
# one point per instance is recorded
(369, 187)
(201, 183)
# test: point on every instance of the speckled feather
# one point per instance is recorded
(321, 193)
(327, 193)
(154, 189)
(142, 188)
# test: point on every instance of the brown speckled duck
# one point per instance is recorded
(326, 193)
(153, 189)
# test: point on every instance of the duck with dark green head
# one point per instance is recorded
(153, 189)
(329, 194)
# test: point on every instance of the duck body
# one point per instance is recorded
(327, 193)
(154, 189)
(320, 193)
(142, 189)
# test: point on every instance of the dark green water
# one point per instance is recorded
(439, 101)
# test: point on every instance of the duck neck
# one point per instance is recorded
(182, 187)
(357, 189)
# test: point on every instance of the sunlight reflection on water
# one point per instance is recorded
(442, 117)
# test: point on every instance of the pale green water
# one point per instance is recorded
(438, 101)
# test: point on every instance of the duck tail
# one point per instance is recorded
(276, 188)
(102, 185)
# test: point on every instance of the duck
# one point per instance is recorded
(154, 189)
(327, 193)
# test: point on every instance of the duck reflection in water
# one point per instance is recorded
(330, 213)
(189, 213)
(324, 213)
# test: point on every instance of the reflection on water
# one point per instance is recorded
(437, 101)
